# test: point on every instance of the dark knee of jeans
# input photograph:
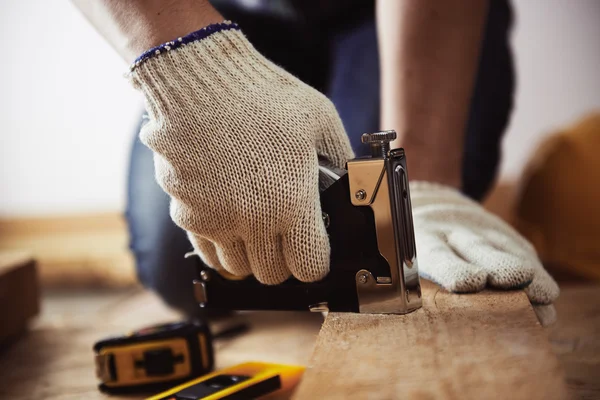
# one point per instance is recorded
(157, 243)
(170, 276)
(175, 285)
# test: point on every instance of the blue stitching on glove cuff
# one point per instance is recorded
(189, 38)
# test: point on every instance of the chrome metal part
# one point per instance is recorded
(200, 292)
(379, 142)
(205, 275)
(319, 307)
(398, 292)
(360, 195)
(363, 277)
(375, 298)
(328, 173)
(365, 175)
(378, 137)
(406, 238)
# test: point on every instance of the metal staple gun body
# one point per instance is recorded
(367, 214)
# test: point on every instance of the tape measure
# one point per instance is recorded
(154, 358)
(244, 381)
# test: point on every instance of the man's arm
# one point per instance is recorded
(429, 51)
(135, 26)
(211, 98)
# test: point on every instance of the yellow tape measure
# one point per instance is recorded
(154, 358)
(244, 381)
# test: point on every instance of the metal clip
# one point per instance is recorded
(200, 292)
(383, 185)
(319, 307)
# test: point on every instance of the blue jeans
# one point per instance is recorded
(343, 63)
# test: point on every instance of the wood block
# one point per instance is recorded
(62, 366)
(479, 346)
(575, 338)
(88, 250)
(19, 293)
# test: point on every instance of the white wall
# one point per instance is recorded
(557, 45)
(67, 114)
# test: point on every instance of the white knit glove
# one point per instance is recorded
(465, 248)
(235, 141)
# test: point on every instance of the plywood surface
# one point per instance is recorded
(575, 338)
(482, 346)
(54, 360)
(73, 251)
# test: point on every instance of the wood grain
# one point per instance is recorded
(575, 338)
(89, 250)
(481, 346)
(54, 360)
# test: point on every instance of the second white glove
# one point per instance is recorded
(465, 248)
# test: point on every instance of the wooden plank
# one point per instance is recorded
(480, 346)
(575, 338)
(88, 250)
(19, 293)
(61, 367)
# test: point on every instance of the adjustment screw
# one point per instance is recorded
(363, 278)
(205, 275)
(360, 195)
(379, 142)
(379, 137)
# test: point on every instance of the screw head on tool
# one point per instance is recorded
(379, 137)
(360, 195)
(379, 142)
(363, 278)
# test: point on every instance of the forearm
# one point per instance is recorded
(134, 26)
(428, 52)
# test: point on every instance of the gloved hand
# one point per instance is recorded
(465, 248)
(235, 141)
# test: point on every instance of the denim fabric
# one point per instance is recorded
(342, 62)
(491, 104)
(157, 243)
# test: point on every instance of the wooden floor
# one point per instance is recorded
(575, 338)
(55, 360)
